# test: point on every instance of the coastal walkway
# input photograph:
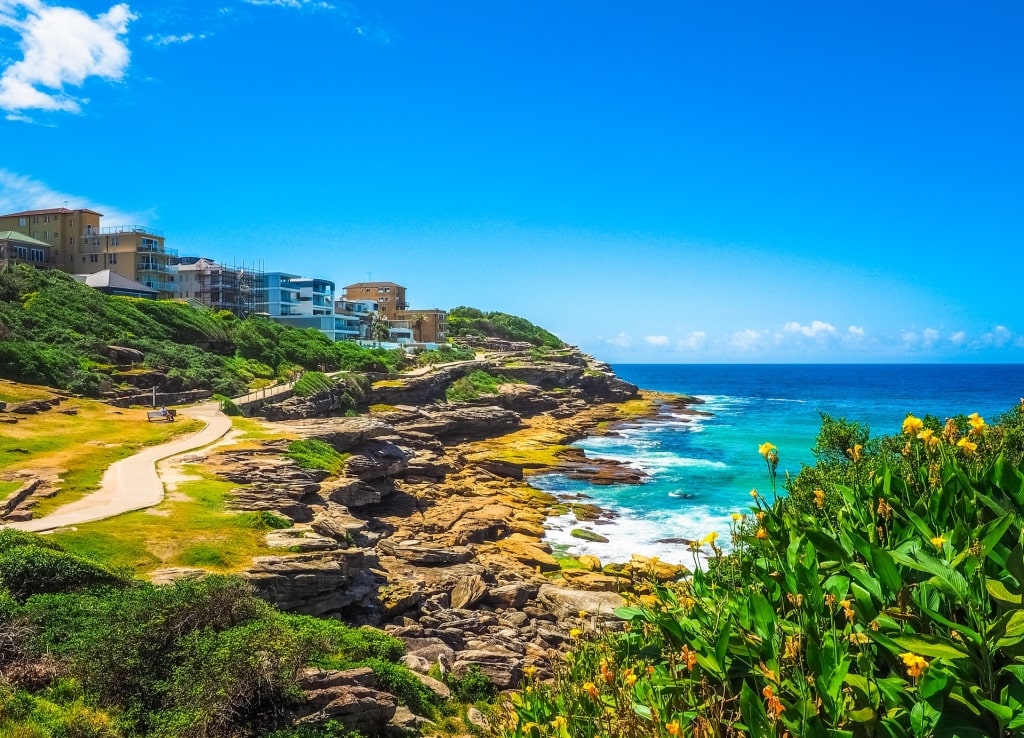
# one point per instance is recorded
(133, 483)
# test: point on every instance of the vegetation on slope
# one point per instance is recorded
(468, 321)
(54, 331)
(476, 385)
(85, 652)
(888, 601)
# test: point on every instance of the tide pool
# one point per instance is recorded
(701, 469)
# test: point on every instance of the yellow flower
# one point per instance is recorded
(939, 542)
(559, 722)
(737, 517)
(575, 633)
(765, 449)
(775, 707)
(912, 425)
(754, 494)
(977, 423)
(968, 447)
(855, 452)
(591, 689)
(859, 639)
(672, 728)
(583, 614)
(761, 534)
(930, 439)
(629, 677)
(915, 664)
(819, 499)
(710, 538)
(530, 671)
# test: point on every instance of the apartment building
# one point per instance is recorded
(390, 297)
(301, 302)
(80, 245)
(428, 326)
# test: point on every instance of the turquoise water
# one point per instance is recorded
(702, 469)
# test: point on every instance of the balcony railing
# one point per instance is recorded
(152, 266)
(144, 249)
(110, 230)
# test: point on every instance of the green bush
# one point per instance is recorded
(475, 385)
(473, 686)
(444, 354)
(311, 453)
(27, 570)
(467, 321)
(312, 383)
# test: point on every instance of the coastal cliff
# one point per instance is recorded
(431, 529)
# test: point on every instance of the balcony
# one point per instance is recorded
(112, 230)
(152, 266)
(146, 249)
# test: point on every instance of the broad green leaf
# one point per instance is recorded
(999, 591)
(934, 646)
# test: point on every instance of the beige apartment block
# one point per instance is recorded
(80, 245)
(428, 326)
(390, 297)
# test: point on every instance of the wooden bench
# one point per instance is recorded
(167, 415)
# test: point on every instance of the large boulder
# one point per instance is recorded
(376, 459)
(501, 666)
(319, 583)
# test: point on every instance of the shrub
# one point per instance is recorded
(475, 385)
(312, 383)
(466, 321)
(311, 453)
(472, 686)
(28, 570)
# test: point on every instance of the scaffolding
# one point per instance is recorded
(237, 288)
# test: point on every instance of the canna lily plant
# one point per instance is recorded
(895, 608)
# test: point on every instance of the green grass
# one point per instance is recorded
(8, 488)
(189, 528)
(313, 454)
(79, 448)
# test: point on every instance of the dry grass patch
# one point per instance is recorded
(189, 528)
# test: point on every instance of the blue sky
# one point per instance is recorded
(664, 181)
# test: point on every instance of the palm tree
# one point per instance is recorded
(379, 328)
(417, 322)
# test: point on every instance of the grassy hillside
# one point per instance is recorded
(55, 332)
(468, 321)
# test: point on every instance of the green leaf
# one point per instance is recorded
(999, 591)
(755, 716)
(929, 645)
(827, 546)
(1014, 630)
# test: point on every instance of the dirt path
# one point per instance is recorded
(133, 483)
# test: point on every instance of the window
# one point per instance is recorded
(21, 252)
(22, 222)
(113, 259)
(46, 235)
(35, 218)
(37, 256)
(71, 241)
(46, 218)
(93, 258)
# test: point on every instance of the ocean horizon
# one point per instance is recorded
(701, 468)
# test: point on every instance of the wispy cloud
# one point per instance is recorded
(18, 192)
(816, 329)
(622, 340)
(61, 47)
(657, 340)
(159, 39)
(298, 4)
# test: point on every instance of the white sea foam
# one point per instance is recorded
(629, 534)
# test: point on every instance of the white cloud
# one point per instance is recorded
(909, 338)
(19, 193)
(61, 46)
(748, 339)
(998, 337)
(657, 340)
(816, 329)
(316, 4)
(929, 336)
(958, 339)
(159, 39)
(623, 340)
(696, 341)
(855, 330)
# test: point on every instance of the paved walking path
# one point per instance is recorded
(133, 483)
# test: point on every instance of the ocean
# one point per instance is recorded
(702, 469)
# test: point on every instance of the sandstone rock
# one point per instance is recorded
(511, 596)
(30, 407)
(376, 459)
(502, 667)
(567, 603)
(525, 399)
(350, 697)
(353, 492)
(593, 581)
(318, 583)
(463, 422)
(477, 719)
(590, 563)
(124, 355)
(437, 687)
(343, 434)
(433, 650)
(423, 555)
(587, 535)
(300, 540)
(468, 591)
(335, 521)
(660, 570)
(528, 552)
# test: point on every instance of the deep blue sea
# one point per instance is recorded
(702, 469)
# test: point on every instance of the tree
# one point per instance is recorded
(417, 321)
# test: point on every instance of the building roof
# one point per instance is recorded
(21, 238)
(50, 211)
(113, 281)
(372, 284)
